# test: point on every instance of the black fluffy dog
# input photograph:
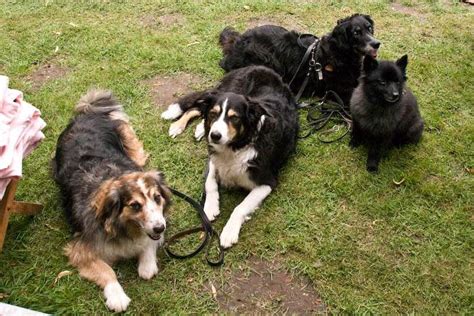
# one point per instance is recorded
(385, 113)
(340, 54)
(251, 125)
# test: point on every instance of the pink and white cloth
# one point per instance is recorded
(20, 132)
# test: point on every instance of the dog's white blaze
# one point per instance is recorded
(220, 126)
(153, 213)
(230, 233)
(260, 123)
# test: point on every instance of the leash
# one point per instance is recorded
(206, 227)
(311, 51)
(320, 113)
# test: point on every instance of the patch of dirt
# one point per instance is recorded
(165, 20)
(268, 288)
(46, 72)
(167, 89)
(408, 10)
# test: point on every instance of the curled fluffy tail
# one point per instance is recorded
(97, 101)
(227, 38)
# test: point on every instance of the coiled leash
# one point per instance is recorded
(206, 227)
(323, 111)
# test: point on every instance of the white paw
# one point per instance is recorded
(199, 132)
(175, 129)
(230, 233)
(173, 112)
(211, 208)
(116, 299)
(147, 270)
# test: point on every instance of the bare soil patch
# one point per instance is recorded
(408, 10)
(167, 89)
(46, 72)
(266, 287)
(165, 20)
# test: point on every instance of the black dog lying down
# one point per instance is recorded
(385, 112)
(340, 54)
(251, 125)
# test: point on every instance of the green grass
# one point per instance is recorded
(367, 245)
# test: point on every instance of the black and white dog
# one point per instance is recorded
(340, 54)
(251, 125)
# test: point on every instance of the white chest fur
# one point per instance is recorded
(232, 167)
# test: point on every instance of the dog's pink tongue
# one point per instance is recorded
(373, 53)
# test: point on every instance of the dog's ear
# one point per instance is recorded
(402, 64)
(339, 33)
(256, 113)
(370, 64)
(160, 182)
(368, 18)
(108, 209)
(207, 99)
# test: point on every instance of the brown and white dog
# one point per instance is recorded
(115, 208)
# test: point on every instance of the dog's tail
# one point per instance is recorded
(227, 38)
(98, 101)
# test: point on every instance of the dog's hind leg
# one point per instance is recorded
(133, 146)
(98, 271)
(230, 233)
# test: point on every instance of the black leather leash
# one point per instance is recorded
(206, 227)
(323, 111)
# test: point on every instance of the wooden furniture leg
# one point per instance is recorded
(9, 205)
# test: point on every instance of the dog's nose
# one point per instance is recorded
(375, 44)
(215, 136)
(395, 94)
(159, 229)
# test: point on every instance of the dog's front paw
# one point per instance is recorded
(147, 270)
(116, 299)
(230, 233)
(173, 112)
(199, 132)
(372, 167)
(175, 129)
(211, 208)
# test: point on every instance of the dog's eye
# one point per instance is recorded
(136, 206)
(212, 115)
(371, 30)
(235, 119)
(382, 82)
(157, 198)
(357, 32)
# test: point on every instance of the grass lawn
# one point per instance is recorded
(365, 244)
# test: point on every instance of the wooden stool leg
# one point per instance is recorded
(5, 204)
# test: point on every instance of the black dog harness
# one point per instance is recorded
(324, 110)
(313, 65)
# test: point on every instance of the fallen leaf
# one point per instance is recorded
(213, 290)
(73, 24)
(398, 182)
(246, 7)
(61, 275)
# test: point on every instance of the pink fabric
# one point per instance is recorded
(20, 132)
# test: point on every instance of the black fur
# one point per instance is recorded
(252, 92)
(385, 112)
(340, 53)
